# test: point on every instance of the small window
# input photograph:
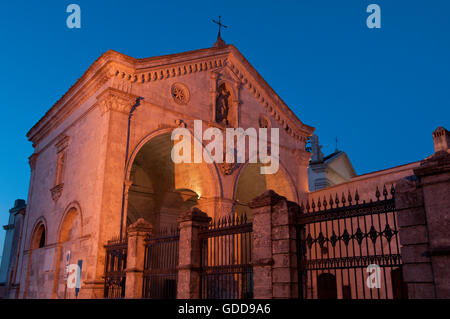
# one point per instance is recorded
(42, 239)
(39, 237)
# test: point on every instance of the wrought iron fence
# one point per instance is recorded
(115, 265)
(226, 270)
(350, 250)
(160, 265)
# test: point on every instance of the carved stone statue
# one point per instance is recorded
(223, 101)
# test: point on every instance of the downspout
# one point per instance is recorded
(133, 108)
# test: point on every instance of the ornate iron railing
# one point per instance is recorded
(160, 265)
(226, 270)
(349, 249)
(115, 266)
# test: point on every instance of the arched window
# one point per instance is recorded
(39, 237)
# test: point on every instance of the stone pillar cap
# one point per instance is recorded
(438, 163)
(140, 225)
(193, 214)
(268, 198)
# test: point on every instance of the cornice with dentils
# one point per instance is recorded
(126, 69)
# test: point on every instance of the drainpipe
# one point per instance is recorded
(133, 108)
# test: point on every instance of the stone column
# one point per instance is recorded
(115, 106)
(423, 204)
(136, 233)
(413, 234)
(274, 255)
(434, 175)
(189, 261)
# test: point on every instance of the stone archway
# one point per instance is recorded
(69, 244)
(160, 189)
(37, 262)
(250, 183)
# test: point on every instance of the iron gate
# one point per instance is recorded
(160, 265)
(350, 250)
(226, 270)
(115, 265)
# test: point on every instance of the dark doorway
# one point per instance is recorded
(326, 286)
(399, 287)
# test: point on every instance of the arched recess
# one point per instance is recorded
(161, 189)
(35, 281)
(71, 226)
(69, 248)
(39, 237)
(250, 183)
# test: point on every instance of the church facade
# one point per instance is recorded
(105, 193)
(84, 189)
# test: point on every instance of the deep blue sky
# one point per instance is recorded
(381, 91)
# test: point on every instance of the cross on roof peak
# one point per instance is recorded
(219, 23)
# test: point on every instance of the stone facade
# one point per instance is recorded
(82, 188)
(424, 217)
(101, 168)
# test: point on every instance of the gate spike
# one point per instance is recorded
(349, 198)
(319, 204)
(356, 197)
(313, 205)
(377, 194)
(331, 201)
(392, 190)
(302, 208)
(385, 192)
(337, 200)
(325, 203)
(237, 219)
(229, 221)
(307, 206)
(245, 218)
(343, 199)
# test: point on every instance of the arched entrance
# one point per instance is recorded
(161, 189)
(37, 265)
(69, 250)
(251, 183)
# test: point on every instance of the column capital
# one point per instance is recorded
(115, 100)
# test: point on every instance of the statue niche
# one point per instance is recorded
(223, 105)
